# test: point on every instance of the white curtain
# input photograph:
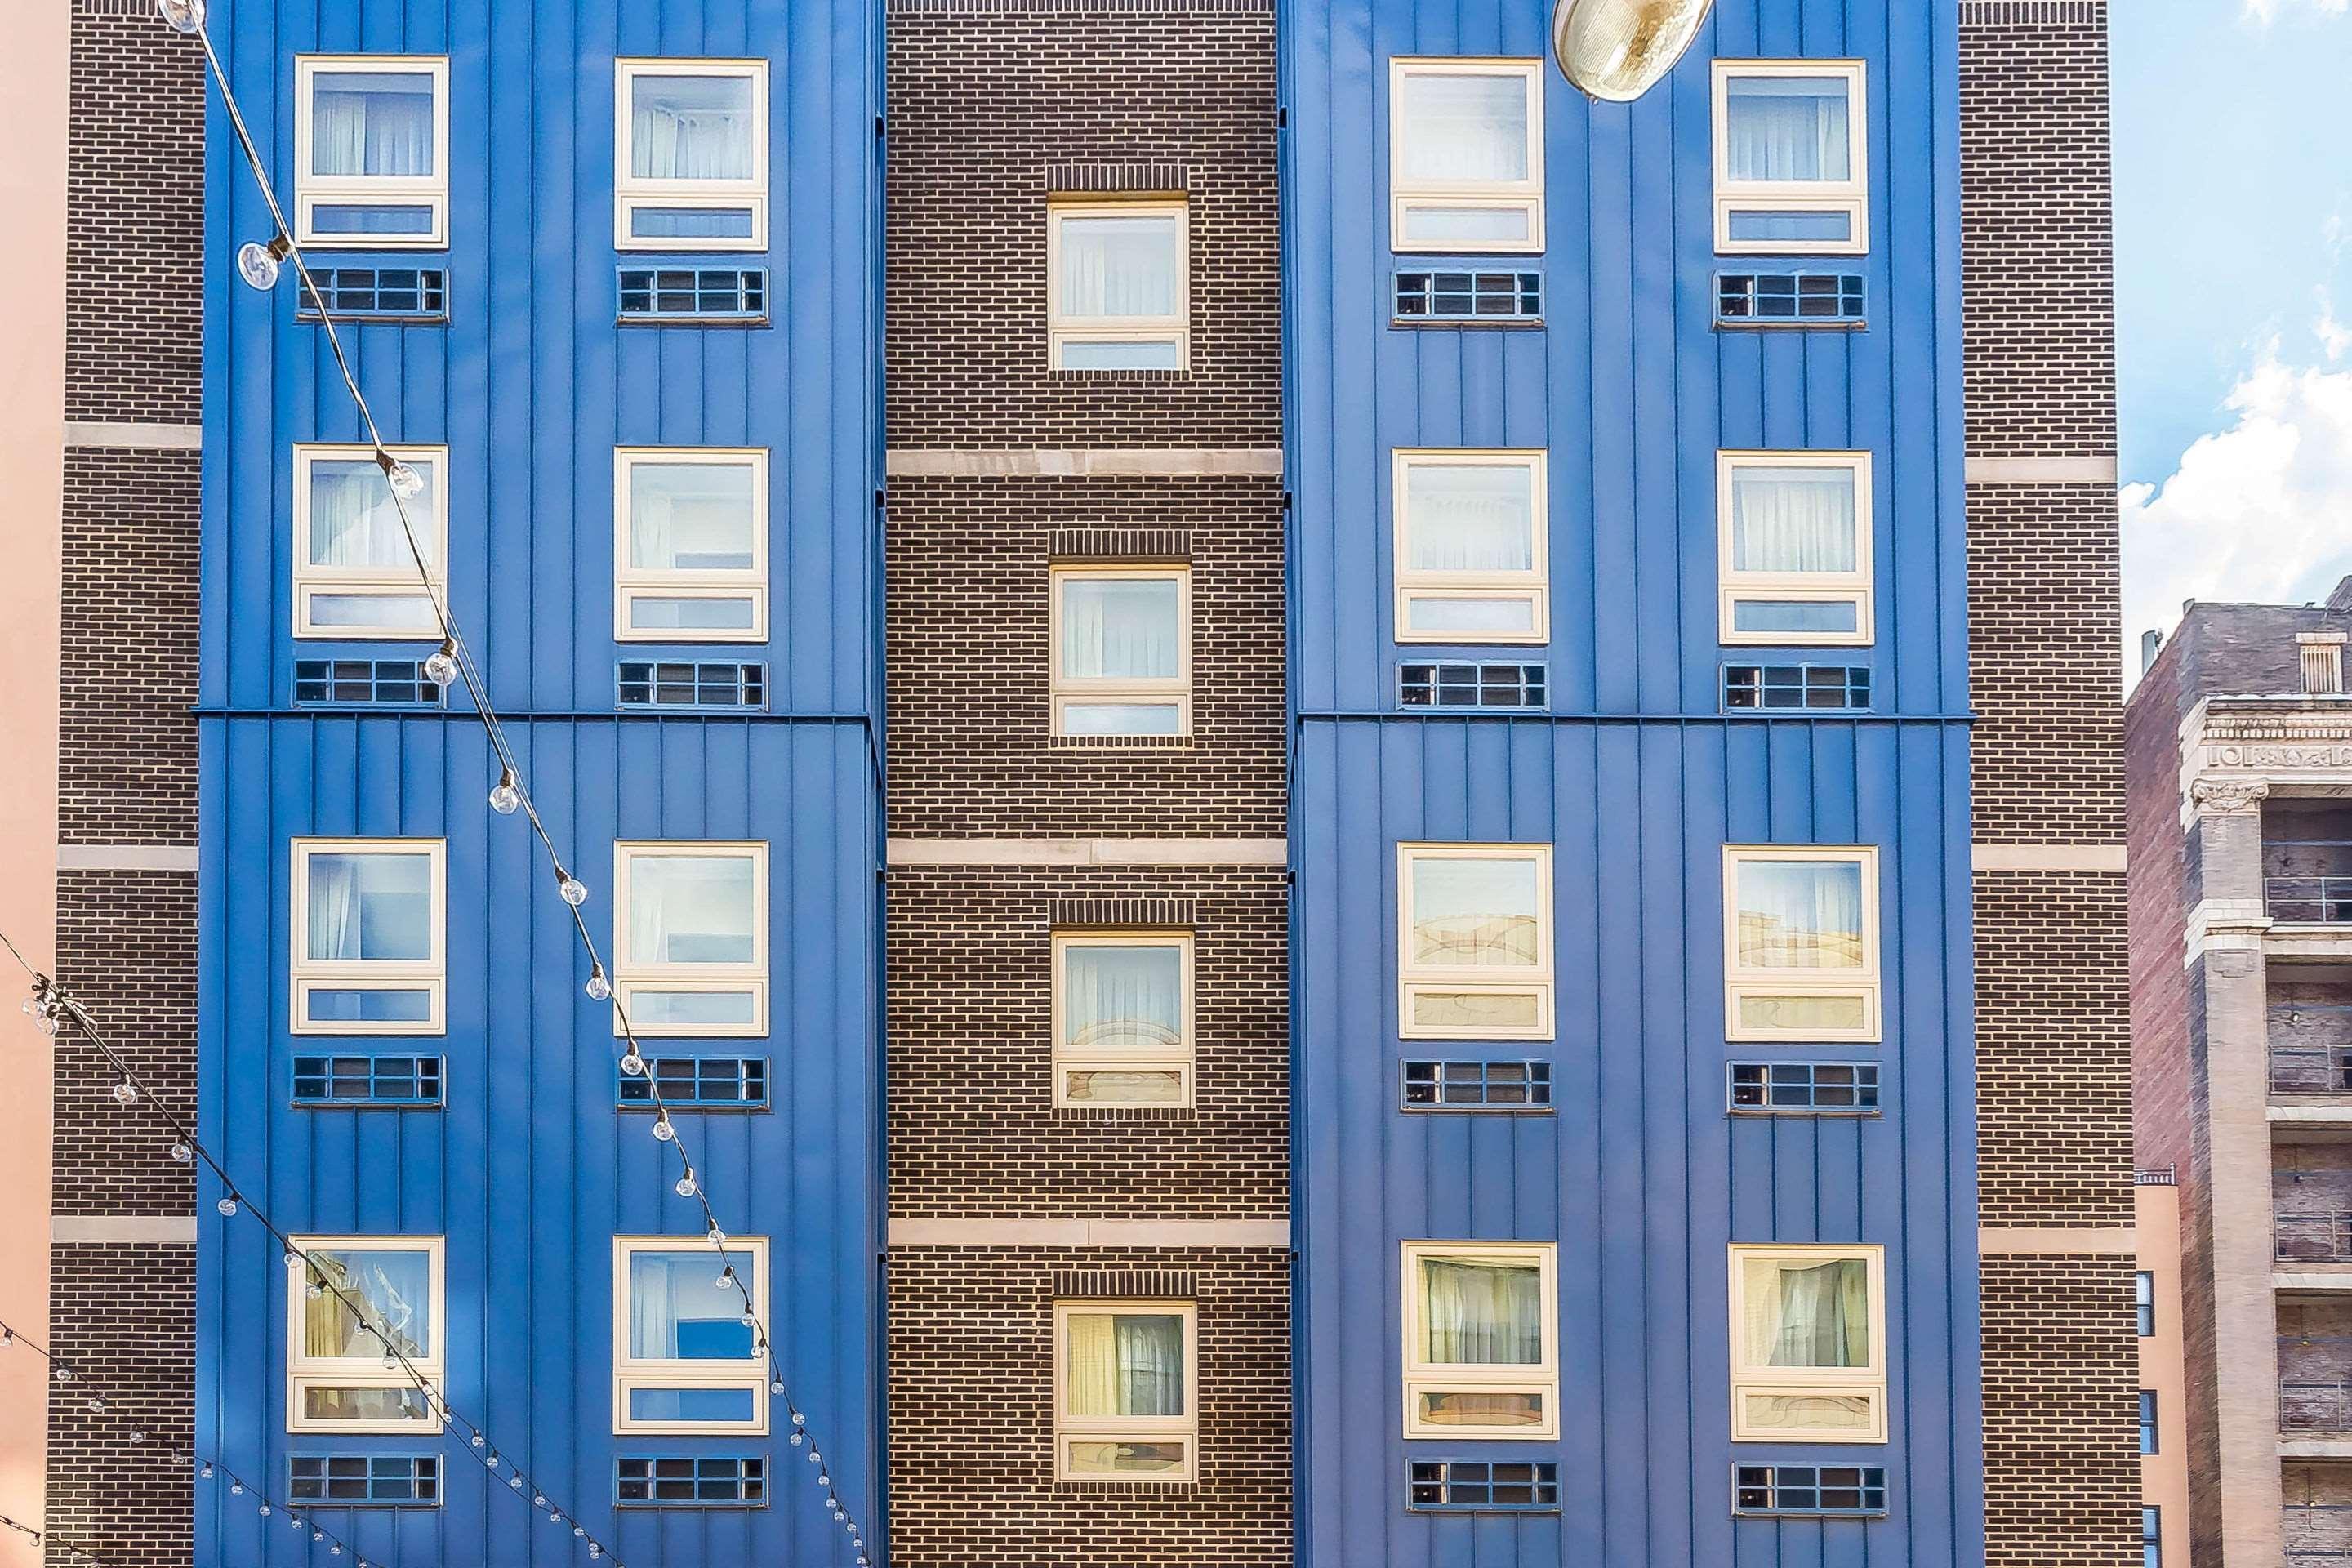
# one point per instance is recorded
(1801, 1315)
(1474, 913)
(680, 1312)
(396, 1288)
(1800, 914)
(370, 907)
(353, 522)
(690, 908)
(1481, 1314)
(1119, 628)
(1460, 517)
(690, 128)
(690, 517)
(1125, 1364)
(1122, 998)
(1786, 129)
(1119, 266)
(1460, 128)
(371, 123)
(1792, 519)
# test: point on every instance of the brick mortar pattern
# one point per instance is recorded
(2062, 1412)
(116, 1312)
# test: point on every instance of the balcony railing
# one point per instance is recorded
(2313, 901)
(2311, 1069)
(2315, 1407)
(2313, 1238)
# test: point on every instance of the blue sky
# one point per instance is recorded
(2233, 290)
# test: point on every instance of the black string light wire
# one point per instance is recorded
(56, 1543)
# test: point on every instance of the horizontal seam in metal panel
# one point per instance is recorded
(1527, 715)
(509, 714)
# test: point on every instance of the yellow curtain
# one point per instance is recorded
(1092, 1369)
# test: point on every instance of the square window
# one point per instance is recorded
(1808, 1344)
(1471, 547)
(1124, 1373)
(354, 573)
(1465, 155)
(1790, 175)
(1122, 650)
(1474, 942)
(1120, 287)
(690, 938)
(372, 152)
(1122, 1018)
(1800, 942)
(1481, 1339)
(683, 1358)
(1793, 530)
(367, 936)
(691, 545)
(372, 1291)
(691, 151)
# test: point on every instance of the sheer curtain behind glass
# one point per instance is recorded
(678, 1312)
(1808, 1315)
(1463, 128)
(690, 517)
(1785, 129)
(690, 908)
(1462, 517)
(1122, 998)
(1119, 266)
(1126, 1363)
(1481, 1314)
(1118, 629)
(1474, 913)
(690, 128)
(1792, 519)
(365, 907)
(1800, 914)
(396, 1289)
(353, 522)
(371, 123)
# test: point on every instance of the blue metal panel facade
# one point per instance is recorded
(528, 1170)
(1637, 779)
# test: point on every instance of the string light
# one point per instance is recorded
(506, 798)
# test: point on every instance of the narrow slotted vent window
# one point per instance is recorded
(1471, 685)
(378, 293)
(740, 1082)
(665, 1482)
(381, 682)
(1477, 1086)
(1433, 297)
(1787, 299)
(1778, 688)
(1462, 1486)
(736, 294)
(1805, 1088)
(648, 684)
(1809, 1489)
(364, 1480)
(367, 1080)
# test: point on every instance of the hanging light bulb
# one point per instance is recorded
(63, 1373)
(515, 1481)
(539, 1500)
(257, 263)
(336, 1550)
(506, 796)
(663, 1131)
(478, 1439)
(181, 1155)
(183, 15)
(492, 1462)
(226, 1205)
(405, 481)
(824, 1480)
(632, 1064)
(314, 1290)
(749, 1322)
(575, 890)
(441, 664)
(7, 1338)
(236, 1489)
(579, 1529)
(126, 1093)
(1615, 50)
(686, 1186)
(47, 1022)
(263, 1510)
(726, 1281)
(798, 1438)
(600, 985)
(799, 1420)
(318, 1535)
(717, 1238)
(97, 1406)
(205, 1470)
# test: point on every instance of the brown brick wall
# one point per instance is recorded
(115, 1310)
(126, 947)
(971, 1399)
(973, 1130)
(2061, 1451)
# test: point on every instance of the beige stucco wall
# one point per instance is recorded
(2164, 1474)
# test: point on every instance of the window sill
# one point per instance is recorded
(1125, 1112)
(1119, 742)
(1060, 374)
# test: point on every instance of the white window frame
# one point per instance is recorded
(1834, 1381)
(1492, 980)
(1850, 196)
(1424, 1376)
(382, 190)
(1061, 330)
(1502, 196)
(1069, 1429)
(633, 582)
(304, 1371)
(1853, 587)
(1533, 584)
(1741, 982)
(306, 974)
(630, 1371)
(1177, 1059)
(630, 977)
(370, 582)
(629, 192)
(1064, 690)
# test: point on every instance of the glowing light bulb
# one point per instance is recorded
(575, 890)
(685, 1186)
(256, 266)
(600, 987)
(506, 796)
(182, 16)
(663, 1131)
(441, 665)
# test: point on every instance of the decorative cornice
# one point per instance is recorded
(2227, 797)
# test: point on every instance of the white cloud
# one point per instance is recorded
(2263, 12)
(2260, 511)
(2334, 336)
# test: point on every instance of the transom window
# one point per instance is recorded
(1123, 1399)
(372, 151)
(1119, 285)
(367, 936)
(1481, 1339)
(1465, 155)
(347, 1297)
(691, 153)
(1470, 547)
(1122, 1018)
(354, 574)
(364, 1480)
(690, 922)
(691, 545)
(1122, 650)
(1794, 534)
(1800, 939)
(1790, 177)
(684, 1357)
(1475, 941)
(1808, 1344)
